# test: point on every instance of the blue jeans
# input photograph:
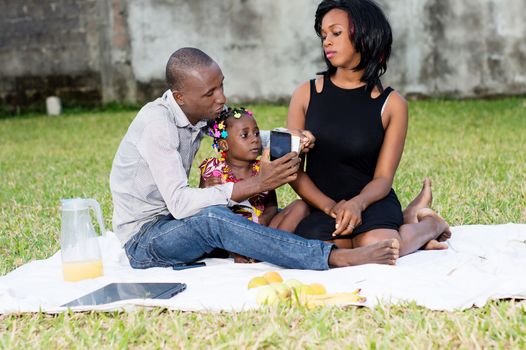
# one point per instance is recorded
(166, 241)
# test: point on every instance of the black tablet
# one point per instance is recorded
(124, 291)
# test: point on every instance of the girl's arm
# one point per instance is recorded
(303, 185)
(210, 174)
(271, 208)
(395, 121)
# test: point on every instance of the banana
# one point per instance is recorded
(312, 301)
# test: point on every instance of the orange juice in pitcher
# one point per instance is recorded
(76, 271)
(80, 250)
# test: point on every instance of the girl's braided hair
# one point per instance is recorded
(217, 129)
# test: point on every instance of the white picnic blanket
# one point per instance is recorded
(483, 262)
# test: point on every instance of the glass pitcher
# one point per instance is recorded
(80, 250)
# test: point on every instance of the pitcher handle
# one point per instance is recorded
(92, 203)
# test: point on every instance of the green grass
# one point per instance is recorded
(473, 151)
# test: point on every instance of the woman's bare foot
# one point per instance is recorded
(384, 252)
(423, 200)
(434, 245)
(443, 231)
(444, 236)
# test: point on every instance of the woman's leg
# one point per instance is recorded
(424, 200)
(289, 218)
(411, 236)
(286, 220)
(342, 243)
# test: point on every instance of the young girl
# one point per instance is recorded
(236, 137)
(360, 130)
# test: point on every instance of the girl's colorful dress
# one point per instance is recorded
(252, 210)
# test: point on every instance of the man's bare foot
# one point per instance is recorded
(384, 252)
(423, 200)
(443, 231)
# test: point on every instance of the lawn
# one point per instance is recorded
(473, 150)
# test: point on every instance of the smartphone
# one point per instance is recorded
(280, 144)
(184, 266)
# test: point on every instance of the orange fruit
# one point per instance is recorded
(318, 288)
(257, 282)
(273, 277)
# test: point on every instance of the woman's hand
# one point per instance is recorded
(307, 139)
(328, 207)
(348, 215)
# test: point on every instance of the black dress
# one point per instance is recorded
(349, 133)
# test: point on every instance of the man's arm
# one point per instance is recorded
(158, 146)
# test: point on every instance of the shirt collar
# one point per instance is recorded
(181, 120)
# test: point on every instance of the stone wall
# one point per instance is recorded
(76, 49)
(469, 48)
(264, 47)
(49, 48)
(92, 52)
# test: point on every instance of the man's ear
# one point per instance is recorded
(179, 97)
(223, 145)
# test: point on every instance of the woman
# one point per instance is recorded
(360, 130)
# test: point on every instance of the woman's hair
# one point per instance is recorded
(217, 128)
(369, 32)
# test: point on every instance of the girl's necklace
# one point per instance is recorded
(230, 175)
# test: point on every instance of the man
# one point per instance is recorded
(162, 221)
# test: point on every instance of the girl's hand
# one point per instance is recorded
(348, 215)
(211, 181)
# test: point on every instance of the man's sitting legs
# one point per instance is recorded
(167, 241)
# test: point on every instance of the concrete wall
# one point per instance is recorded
(76, 49)
(264, 47)
(461, 49)
(89, 51)
(48, 45)
(458, 49)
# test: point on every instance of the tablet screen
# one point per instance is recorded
(124, 291)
